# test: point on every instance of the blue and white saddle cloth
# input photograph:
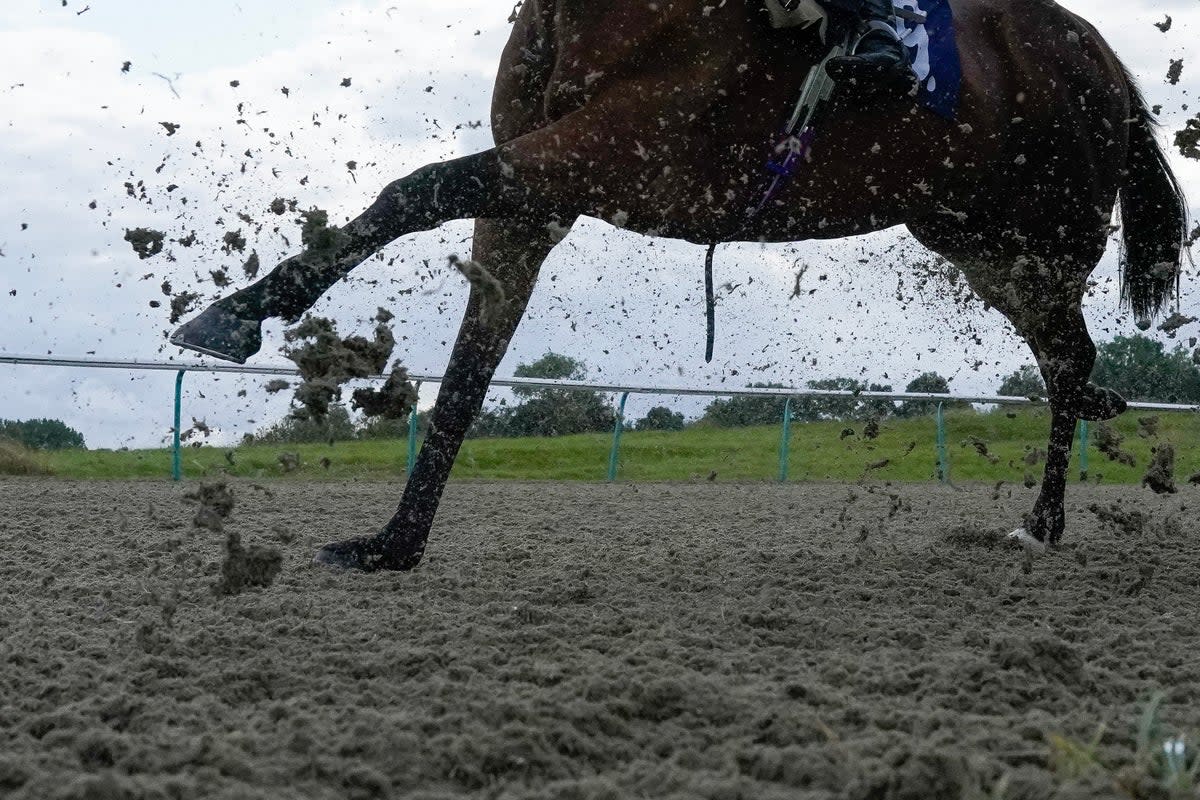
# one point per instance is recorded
(934, 54)
(931, 45)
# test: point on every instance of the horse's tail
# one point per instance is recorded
(1154, 214)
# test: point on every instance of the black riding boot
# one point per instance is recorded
(879, 61)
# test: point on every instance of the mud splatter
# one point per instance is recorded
(1175, 71)
(181, 304)
(276, 386)
(233, 241)
(1160, 475)
(327, 361)
(393, 401)
(491, 291)
(214, 505)
(1173, 323)
(316, 233)
(146, 242)
(1108, 442)
(252, 266)
(247, 567)
(1148, 427)
(289, 462)
(981, 447)
(1188, 139)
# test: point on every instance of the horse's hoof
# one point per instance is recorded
(220, 333)
(1097, 404)
(365, 554)
(1028, 542)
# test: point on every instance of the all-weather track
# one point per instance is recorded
(593, 641)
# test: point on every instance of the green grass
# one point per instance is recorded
(817, 454)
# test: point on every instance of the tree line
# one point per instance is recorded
(1138, 367)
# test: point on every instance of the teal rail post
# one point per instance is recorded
(942, 456)
(412, 435)
(616, 444)
(1083, 450)
(176, 454)
(785, 444)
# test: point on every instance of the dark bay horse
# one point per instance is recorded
(654, 116)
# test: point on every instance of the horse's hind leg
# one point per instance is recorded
(1065, 354)
(513, 253)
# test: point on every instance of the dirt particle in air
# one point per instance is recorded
(233, 241)
(394, 400)
(181, 304)
(383, 316)
(1165, 25)
(1108, 442)
(289, 462)
(316, 233)
(1173, 323)
(278, 206)
(220, 278)
(247, 567)
(1160, 475)
(146, 242)
(327, 361)
(490, 290)
(214, 503)
(981, 447)
(252, 265)
(1148, 427)
(171, 127)
(276, 386)
(1175, 71)
(1188, 139)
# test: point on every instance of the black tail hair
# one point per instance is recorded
(1154, 216)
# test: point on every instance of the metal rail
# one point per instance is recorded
(181, 368)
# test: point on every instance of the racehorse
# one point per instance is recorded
(654, 116)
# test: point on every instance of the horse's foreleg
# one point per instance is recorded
(513, 252)
(480, 185)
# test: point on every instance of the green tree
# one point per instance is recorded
(556, 412)
(1025, 382)
(41, 434)
(1140, 368)
(661, 418)
(337, 426)
(742, 412)
(817, 408)
(925, 383)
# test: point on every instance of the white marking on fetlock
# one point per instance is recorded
(1027, 542)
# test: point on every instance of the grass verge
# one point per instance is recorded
(999, 446)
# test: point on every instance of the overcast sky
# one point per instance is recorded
(75, 129)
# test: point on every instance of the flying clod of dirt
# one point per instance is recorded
(394, 401)
(315, 231)
(1160, 477)
(1188, 139)
(327, 361)
(146, 242)
(491, 291)
(181, 304)
(1108, 442)
(1175, 71)
(1148, 427)
(215, 504)
(276, 386)
(247, 567)
(1173, 323)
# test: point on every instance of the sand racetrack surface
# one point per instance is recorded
(591, 641)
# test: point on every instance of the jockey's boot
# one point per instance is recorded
(879, 63)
